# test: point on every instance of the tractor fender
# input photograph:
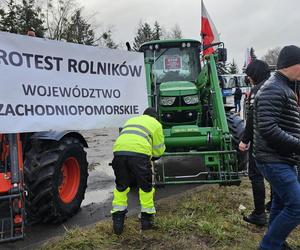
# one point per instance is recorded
(58, 135)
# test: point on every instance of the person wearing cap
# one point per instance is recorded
(31, 32)
(140, 141)
(276, 144)
(257, 72)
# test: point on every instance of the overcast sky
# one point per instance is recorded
(261, 24)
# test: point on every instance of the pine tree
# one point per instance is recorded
(10, 19)
(19, 18)
(233, 69)
(157, 32)
(31, 17)
(79, 31)
(2, 13)
(144, 34)
(252, 54)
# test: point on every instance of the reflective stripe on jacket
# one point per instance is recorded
(142, 134)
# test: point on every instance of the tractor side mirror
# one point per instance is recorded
(222, 54)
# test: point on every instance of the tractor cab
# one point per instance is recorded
(173, 60)
(175, 66)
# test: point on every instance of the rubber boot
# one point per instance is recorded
(147, 221)
(118, 221)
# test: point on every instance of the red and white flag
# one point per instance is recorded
(248, 58)
(209, 32)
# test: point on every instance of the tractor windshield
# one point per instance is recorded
(174, 64)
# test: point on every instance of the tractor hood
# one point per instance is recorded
(180, 88)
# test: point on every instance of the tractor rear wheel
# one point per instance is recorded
(56, 179)
(236, 128)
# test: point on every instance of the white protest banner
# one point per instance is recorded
(50, 85)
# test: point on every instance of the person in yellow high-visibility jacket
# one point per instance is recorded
(140, 141)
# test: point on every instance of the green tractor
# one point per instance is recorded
(184, 89)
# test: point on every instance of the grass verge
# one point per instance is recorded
(202, 218)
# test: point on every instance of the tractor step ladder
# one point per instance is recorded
(12, 212)
(11, 227)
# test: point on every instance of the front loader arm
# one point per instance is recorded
(208, 84)
(217, 100)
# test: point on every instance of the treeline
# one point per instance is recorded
(64, 20)
(270, 57)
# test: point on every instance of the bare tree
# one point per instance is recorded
(176, 32)
(271, 56)
(65, 21)
(58, 13)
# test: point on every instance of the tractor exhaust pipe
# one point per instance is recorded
(128, 46)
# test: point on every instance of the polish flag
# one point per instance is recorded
(248, 58)
(209, 32)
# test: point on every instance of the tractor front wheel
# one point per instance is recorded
(56, 179)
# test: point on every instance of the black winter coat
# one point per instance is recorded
(248, 132)
(277, 121)
(237, 94)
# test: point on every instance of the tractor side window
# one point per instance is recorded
(232, 83)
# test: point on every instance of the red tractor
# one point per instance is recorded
(43, 178)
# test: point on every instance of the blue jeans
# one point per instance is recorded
(237, 105)
(285, 210)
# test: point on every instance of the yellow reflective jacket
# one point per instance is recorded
(141, 135)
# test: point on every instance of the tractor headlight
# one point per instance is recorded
(191, 99)
(167, 100)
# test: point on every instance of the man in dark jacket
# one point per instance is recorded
(258, 72)
(237, 96)
(277, 143)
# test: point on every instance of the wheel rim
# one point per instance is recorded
(68, 187)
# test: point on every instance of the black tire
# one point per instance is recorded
(236, 128)
(43, 177)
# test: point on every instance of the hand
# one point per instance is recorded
(243, 146)
(154, 158)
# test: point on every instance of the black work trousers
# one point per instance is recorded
(127, 167)
(258, 185)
